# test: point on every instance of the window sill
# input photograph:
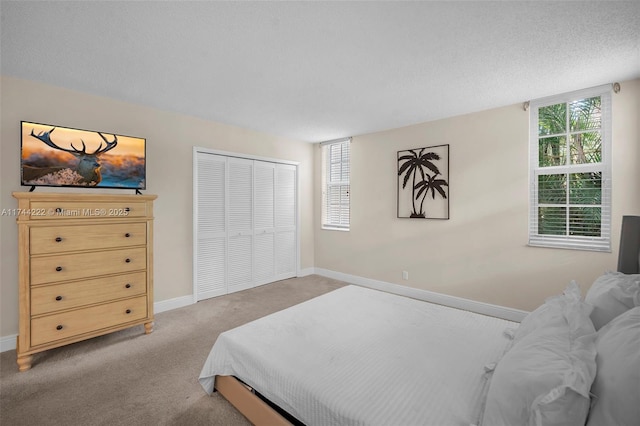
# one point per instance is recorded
(333, 228)
(570, 245)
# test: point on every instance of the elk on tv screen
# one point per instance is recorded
(61, 156)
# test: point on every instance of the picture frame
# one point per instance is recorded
(423, 183)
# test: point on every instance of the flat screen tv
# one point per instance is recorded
(61, 156)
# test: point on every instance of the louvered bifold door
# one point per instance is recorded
(211, 233)
(240, 224)
(245, 223)
(264, 222)
(285, 221)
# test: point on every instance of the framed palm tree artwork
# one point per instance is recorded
(423, 183)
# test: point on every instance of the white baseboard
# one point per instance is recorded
(175, 303)
(306, 272)
(8, 343)
(428, 296)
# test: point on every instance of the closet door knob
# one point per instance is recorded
(58, 298)
(127, 260)
(127, 209)
(58, 209)
(58, 239)
(127, 235)
(60, 327)
(128, 286)
(128, 311)
(58, 268)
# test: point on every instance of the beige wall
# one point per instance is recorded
(481, 253)
(170, 138)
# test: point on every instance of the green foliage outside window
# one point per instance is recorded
(569, 134)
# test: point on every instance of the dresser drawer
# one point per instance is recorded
(68, 324)
(57, 239)
(57, 297)
(84, 209)
(49, 269)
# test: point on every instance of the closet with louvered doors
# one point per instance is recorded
(245, 222)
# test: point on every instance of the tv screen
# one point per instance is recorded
(61, 156)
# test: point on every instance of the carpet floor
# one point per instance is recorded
(129, 378)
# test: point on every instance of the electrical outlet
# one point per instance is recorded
(405, 275)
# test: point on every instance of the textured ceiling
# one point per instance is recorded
(321, 70)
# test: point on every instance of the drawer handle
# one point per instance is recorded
(127, 209)
(127, 235)
(128, 311)
(60, 327)
(58, 239)
(128, 286)
(58, 298)
(58, 268)
(127, 260)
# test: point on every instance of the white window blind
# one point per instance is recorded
(570, 170)
(336, 187)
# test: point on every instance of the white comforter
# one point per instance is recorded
(357, 356)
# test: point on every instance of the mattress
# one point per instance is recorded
(357, 356)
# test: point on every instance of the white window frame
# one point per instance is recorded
(603, 242)
(328, 222)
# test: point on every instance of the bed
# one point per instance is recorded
(357, 356)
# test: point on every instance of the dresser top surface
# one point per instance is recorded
(67, 196)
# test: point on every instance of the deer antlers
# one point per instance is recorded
(45, 137)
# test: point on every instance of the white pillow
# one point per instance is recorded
(554, 311)
(611, 295)
(544, 379)
(616, 389)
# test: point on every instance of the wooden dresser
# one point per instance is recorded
(85, 267)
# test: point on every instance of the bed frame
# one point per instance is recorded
(629, 254)
(261, 413)
(248, 402)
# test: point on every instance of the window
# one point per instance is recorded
(335, 180)
(570, 170)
